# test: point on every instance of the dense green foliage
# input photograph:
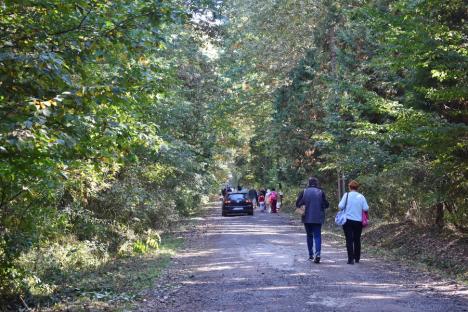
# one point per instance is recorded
(105, 132)
(373, 90)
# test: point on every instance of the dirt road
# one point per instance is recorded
(260, 263)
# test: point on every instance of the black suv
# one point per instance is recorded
(237, 202)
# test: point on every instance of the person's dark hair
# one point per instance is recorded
(313, 181)
(272, 188)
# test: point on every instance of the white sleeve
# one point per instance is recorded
(342, 202)
(365, 206)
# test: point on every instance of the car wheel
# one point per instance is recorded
(250, 213)
(224, 214)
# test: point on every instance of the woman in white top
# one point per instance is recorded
(268, 200)
(354, 203)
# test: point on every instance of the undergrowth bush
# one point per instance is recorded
(53, 262)
(121, 219)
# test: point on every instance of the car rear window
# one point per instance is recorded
(237, 196)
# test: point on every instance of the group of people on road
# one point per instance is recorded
(314, 202)
(353, 204)
(228, 189)
(269, 200)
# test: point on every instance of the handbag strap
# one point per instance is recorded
(346, 202)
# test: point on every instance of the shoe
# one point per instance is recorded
(350, 262)
(311, 258)
(356, 260)
(317, 259)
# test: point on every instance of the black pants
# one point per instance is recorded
(353, 230)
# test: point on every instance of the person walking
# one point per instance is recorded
(354, 204)
(224, 192)
(253, 196)
(268, 200)
(315, 202)
(280, 200)
(273, 200)
(261, 201)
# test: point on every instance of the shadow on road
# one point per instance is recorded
(259, 263)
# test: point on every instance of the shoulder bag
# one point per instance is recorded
(340, 218)
(301, 210)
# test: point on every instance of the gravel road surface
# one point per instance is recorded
(259, 263)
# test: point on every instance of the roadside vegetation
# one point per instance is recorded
(443, 252)
(374, 91)
(115, 283)
(107, 137)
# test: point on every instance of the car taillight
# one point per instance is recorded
(248, 201)
(227, 201)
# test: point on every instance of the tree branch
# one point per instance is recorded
(75, 27)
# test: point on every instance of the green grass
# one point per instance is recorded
(116, 285)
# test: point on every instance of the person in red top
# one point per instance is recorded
(273, 200)
(261, 202)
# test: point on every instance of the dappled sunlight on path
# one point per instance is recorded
(259, 263)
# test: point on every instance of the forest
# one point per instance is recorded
(119, 118)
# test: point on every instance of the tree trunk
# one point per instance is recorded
(332, 47)
(439, 220)
(338, 190)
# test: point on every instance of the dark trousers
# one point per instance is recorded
(353, 230)
(314, 233)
